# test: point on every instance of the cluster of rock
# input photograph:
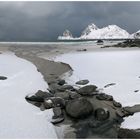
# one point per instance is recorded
(125, 44)
(90, 113)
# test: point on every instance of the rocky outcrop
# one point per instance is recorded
(87, 112)
(87, 90)
(67, 35)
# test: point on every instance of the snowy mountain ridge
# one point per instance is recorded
(108, 32)
(136, 35)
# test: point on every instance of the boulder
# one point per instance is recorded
(53, 102)
(103, 96)
(39, 96)
(57, 120)
(73, 95)
(64, 95)
(117, 104)
(3, 78)
(87, 90)
(61, 82)
(65, 87)
(79, 108)
(82, 82)
(57, 112)
(128, 134)
(102, 114)
(34, 98)
(43, 94)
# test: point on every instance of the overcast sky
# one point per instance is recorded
(44, 21)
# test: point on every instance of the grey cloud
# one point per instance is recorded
(44, 21)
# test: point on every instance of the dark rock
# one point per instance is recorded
(34, 98)
(133, 45)
(73, 95)
(82, 82)
(43, 94)
(57, 120)
(3, 78)
(58, 115)
(103, 96)
(120, 113)
(108, 85)
(79, 108)
(65, 95)
(82, 50)
(65, 87)
(128, 134)
(99, 41)
(61, 82)
(136, 91)
(94, 123)
(87, 90)
(102, 114)
(53, 102)
(117, 104)
(38, 97)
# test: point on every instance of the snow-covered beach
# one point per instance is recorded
(18, 118)
(100, 66)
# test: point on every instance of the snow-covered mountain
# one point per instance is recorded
(109, 32)
(136, 35)
(89, 29)
(93, 32)
(67, 35)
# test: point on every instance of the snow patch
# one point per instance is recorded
(102, 68)
(20, 119)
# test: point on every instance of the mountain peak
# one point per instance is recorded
(108, 32)
(89, 29)
(92, 26)
(66, 35)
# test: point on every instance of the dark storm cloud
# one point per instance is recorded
(43, 21)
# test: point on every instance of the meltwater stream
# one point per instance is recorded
(121, 67)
